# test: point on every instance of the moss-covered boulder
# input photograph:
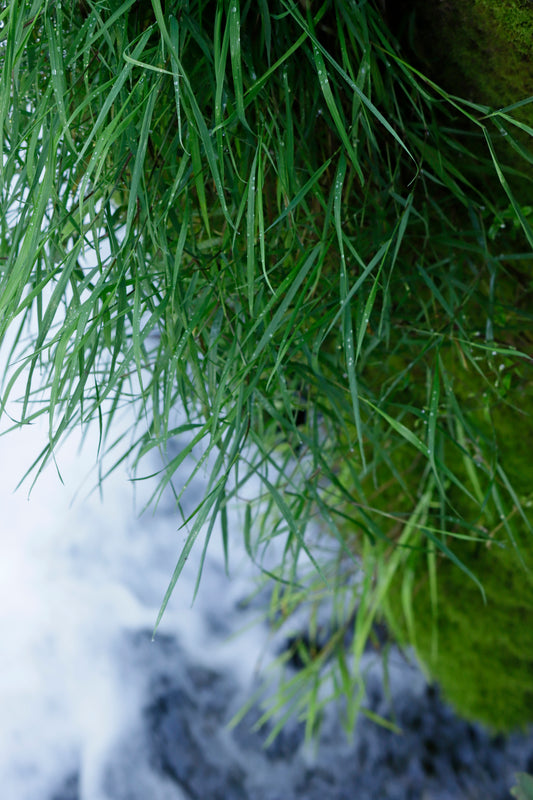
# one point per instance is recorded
(476, 639)
(482, 49)
(479, 649)
(457, 563)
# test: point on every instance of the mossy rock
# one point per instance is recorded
(478, 644)
(482, 50)
(479, 649)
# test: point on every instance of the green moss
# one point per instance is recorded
(481, 49)
(480, 652)
(480, 648)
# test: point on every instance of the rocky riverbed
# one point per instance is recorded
(179, 747)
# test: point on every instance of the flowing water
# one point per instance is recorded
(93, 709)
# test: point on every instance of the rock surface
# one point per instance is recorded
(180, 747)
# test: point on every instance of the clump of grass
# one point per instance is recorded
(266, 216)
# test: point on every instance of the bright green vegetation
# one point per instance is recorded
(318, 255)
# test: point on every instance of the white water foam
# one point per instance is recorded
(74, 576)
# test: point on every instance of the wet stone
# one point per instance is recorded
(177, 750)
(182, 749)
